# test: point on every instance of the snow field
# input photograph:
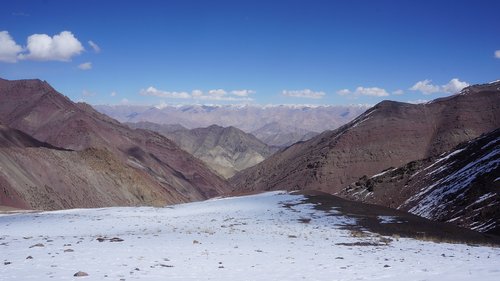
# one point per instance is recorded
(270, 236)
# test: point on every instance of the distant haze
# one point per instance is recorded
(248, 118)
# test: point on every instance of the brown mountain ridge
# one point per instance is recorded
(390, 134)
(151, 162)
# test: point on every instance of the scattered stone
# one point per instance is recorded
(387, 265)
(80, 274)
(69, 250)
(339, 258)
(305, 220)
(116, 239)
(37, 245)
(161, 265)
(29, 257)
(196, 242)
(7, 263)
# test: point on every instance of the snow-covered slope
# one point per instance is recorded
(271, 236)
(461, 186)
(465, 186)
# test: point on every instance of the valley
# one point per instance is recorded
(250, 140)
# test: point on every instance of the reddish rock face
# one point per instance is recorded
(156, 169)
(390, 134)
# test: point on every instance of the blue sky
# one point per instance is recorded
(263, 52)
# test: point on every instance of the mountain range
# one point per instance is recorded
(89, 157)
(438, 160)
(279, 125)
(390, 134)
(226, 150)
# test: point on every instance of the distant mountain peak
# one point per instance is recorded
(226, 150)
(293, 122)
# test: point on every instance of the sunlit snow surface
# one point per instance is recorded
(258, 237)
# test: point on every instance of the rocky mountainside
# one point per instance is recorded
(225, 150)
(294, 122)
(282, 135)
(152, 162)
(37, 175)
(390, 134)
(461, 186)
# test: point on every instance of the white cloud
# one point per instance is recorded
(242, 93)
(215, 94)
(427, 88)
(152, 91)
(124, 101)
(373, 91)
(344, 92)
(363, 91)
(8, 48)
(398, 92)
(94, 46)
(497, 54)
(222, 95)
(85, 66)
(306, 93)
(60, 47)
(454, 86)
(197, 93)
(113, 94)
